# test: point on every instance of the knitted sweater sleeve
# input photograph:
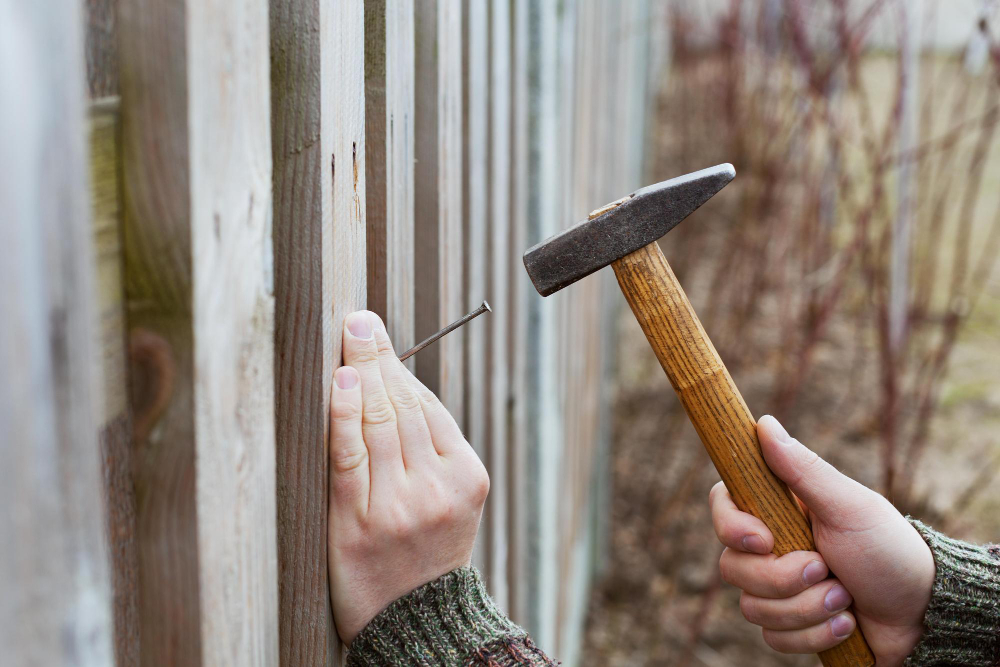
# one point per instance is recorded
(449, 622)
(962, 622)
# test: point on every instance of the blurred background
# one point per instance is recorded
(847, 279)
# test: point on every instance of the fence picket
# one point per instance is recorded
(197, 183)
(55, 609)
(389, 140)
(438, 197)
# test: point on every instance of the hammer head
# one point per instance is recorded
(643, 217)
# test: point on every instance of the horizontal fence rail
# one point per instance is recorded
(258, 169)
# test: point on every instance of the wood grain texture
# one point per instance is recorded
(55, 608)
(718, 412)
(304, 331)
(475, 89)
(101, 48)
(389, 166)
(115, 423)
(518, 340)
(545, 421)
(343, 66)
(197, 167)
(498, 376)
(438, 197)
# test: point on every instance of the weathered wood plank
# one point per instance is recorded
(389, 164)
(519, 316)
(101, 48)
(55, 609)
(304, 330)
(438, 197)
(475, 89)
(343, 66)
(197, 185)
(545, 419)
(115, 423)
(499, 179)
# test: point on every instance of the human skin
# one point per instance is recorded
(406, 489)
(881, 563)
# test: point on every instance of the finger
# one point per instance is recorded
(737, 530)
(769, 576)
(445, 433)
(829, 494)
(349, 474)
(378, 423)
(414, 434)
(810, 607)
(815, 639)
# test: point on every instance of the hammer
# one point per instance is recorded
(624, 234)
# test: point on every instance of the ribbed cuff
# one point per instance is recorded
(443, 623)
(962, 623)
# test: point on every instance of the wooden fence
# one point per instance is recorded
(257, 171)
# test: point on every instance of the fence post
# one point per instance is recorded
(475, 107)
(55, 609)
(438, 196)
(498, 341)
(389, 164)
(199, 275)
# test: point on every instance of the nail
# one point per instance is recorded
(754, 544)
(842, 625)
(838, 598)
(359, 325)
(779, 432)
(346, 377)
(814, 573)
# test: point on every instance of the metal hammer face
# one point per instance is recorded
(643, 217)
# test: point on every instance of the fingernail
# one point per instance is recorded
(780, 434)
(754, 544)
(346, 377)
(838, 598)
(359, 325)
(814, 573)
(842, 626)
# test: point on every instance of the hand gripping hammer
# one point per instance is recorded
(624, 235)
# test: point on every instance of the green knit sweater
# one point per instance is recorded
(453, 621)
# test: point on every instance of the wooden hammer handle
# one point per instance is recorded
(719, 414)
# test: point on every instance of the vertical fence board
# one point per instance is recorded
(520, 356)
(499, 179)
(115, 424)
(389, 162)
(545, 438)
(197, 183)
(343, 66)
(304, 331)
(438, 196)
(53, 569)
(475, 47)
(101, 48)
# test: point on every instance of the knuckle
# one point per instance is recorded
(479, 483)
(726, 567)
(405, 400)
(344, 412)
(780, 588)
(379, 413)
(772, 640)
(401, 525)
(384, 346)
(749, 609)
(364, 353)
(346, 459)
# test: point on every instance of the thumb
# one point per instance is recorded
(829, 494)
